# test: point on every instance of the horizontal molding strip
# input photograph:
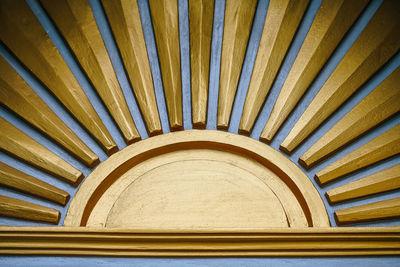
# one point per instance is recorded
(83, 241)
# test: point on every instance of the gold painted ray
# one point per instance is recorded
(23, 34)
(376, 107)
(369, 212)
(282, 20)
(379, 148)
(18, 180)
(377, 43)
(20, 98)
(126, 25)
(201, 14)
(11, 207)
(164, 15)
(332, 21)
(237, 26)
(15, 142)
(379, 182)
(75, 20)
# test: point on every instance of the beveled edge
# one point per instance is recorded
(111, 169)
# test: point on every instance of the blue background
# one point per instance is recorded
(251, 53)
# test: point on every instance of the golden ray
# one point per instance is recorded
(382, 181)
(377, 43)
(16, 208)
(126, 25)
(15, 142)
(18, 180)
(164, 15)
(20, 98)
(23, 34)
(379, 148)
(282, 20)
(201, 14)
(368, 212)
(75, 20)
(331, 23)
(376, 107)
(237, 26)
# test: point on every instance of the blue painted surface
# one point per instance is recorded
(211, 122)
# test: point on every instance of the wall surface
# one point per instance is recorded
(211, 122)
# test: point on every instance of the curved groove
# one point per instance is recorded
(23, 34)
(16, 95)
(76, 22)
(16, 143)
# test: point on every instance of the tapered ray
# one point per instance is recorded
(282, 20)
(23, 34)
(75, 20)
(377, 43)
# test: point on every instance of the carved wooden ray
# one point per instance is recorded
(126, 25)
(164, 15)
(379, 182)
(75, 20)
(379, 148)
(23, 34)
(15, 142)
(282, 20)
(379, 105)
(16, 208)
(201, 14)
(20, 98)
(332, 21)
(369, 212)
(237, 26)
(374, 47)
(18, 180)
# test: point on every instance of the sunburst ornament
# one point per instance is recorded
(169, 138)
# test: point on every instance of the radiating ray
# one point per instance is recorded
(377, 43)
(20, 98)
(126, 25)
(164, 15)
(237, 26)
(201, 14)
(379, 148)
(75, 20)
(332, 21)
(15, 142)
(18, 180)
(282, 20)
(379, 105)
(379, 182)
(373, 211)
(23, 34)
(16, 208)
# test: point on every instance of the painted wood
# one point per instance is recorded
(15, 142)
(16, 208)
(273, 242)
(373, 211)
(18, 180)
(126, 25)
(164, 15)
(201, 14)
(16, 95)
(75, 20)
(24, 36)
(379, 148)
(237, 27)
(283, 18)
(373, 48)
(379, 182)
(376, 107)
(332, 21)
